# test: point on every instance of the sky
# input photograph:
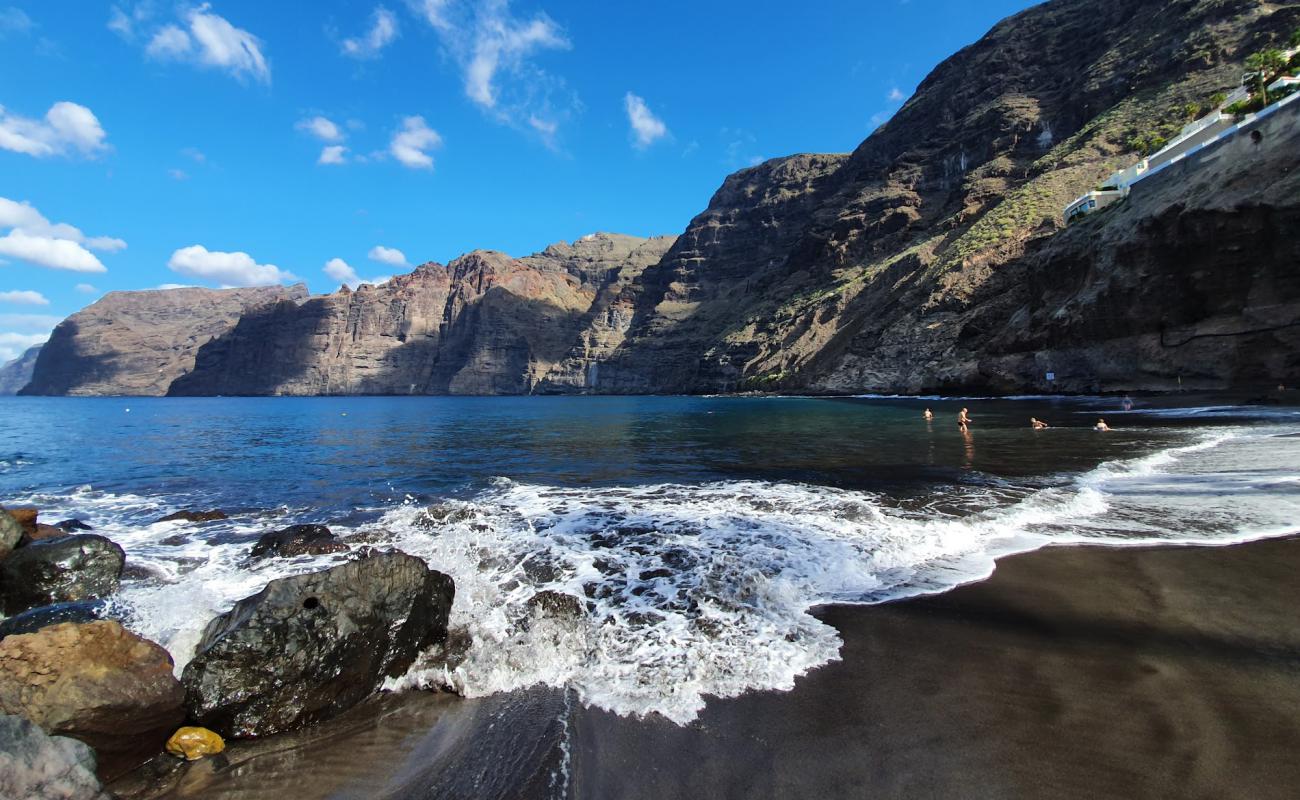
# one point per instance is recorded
(149, 143)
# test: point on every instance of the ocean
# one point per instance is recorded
(699, 533)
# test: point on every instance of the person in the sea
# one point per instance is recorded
(1101, 426)
(1127, 403)
(1037, 424)
(963, 419)
(929, 415)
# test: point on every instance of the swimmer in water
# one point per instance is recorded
(1127, 403)
(963, 419)
(1037, 424)
(1101, 426)
(929, 415)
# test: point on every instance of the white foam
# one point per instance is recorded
(732, 570)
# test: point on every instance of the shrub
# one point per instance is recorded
(1295, 38)
(1218, 99)
(1191, 111)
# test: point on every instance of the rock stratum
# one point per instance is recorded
(933, 258)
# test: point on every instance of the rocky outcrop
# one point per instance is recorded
(310, 646)
(34, 764)
(56, 614)
(484, 324)
(194, 516)
(16, 374)
(60, 570)
(96, 682)
(137, 343)
(297, 540)
(11, 532)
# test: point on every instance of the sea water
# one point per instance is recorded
(697, 533)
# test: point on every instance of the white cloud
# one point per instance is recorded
(86, 288)
(411, 144)
(333, 154)
(124, 24)
(45, 251)
(383, 30)
(387, 255)
(342, 271)
(178, 174)
(66, 128)
(25, 218)
(205, 39)
(896, 95)
(24, 297)
(29, 323)
(226, 269)
(194, 154)
(494, 50)
(14, 20)
(646, 127)
(13, 345)
(166, 286)
(322, 128)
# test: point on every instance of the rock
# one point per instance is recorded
(194, 516)
(42, 532)
(137, 343)
(72, 525)
(556, 604)
(18, 373)
(37, 766)
(45, 616)
(10, 533)
(69, 568)
(192, 743)
(26, 519)
(96, 682)
(298, 540)
(310, 646)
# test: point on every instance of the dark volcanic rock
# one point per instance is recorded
(194, 516)
(45, 616)
(35, 765)
(96, 682)
(298, 540)
(10, 533)
(72, 526)
(68, 568)
(550, 603)
(310, 646)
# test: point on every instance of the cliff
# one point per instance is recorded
(17, 373)
(933, 258)
(137, 343)
(483, 324)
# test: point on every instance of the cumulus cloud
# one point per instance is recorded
(57, 245)
(322, 128)
(13, 345)
(201, 38)
(333, 154)
(85, 288)
(495, 52)
(646, 127)
(383, 30)
(387, 255)
(342, 271)
(412, 143)
(896, 95)
(67, 128)
(226, 269)
(24, 297)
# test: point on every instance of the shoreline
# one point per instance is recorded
(1073, 671)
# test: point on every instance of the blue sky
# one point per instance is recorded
(243, 141)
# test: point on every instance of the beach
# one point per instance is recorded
(1071, 672)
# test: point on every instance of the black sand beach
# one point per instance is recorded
(1071, 673)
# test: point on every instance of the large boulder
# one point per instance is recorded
(298, 540)
(310, 646)
(194, 516)
(10, 533)
(34, 764)
(45, 616)
(96, 682)
(60, 570)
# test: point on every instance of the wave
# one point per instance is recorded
(696, 590)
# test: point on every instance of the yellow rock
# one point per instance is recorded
(195, 743)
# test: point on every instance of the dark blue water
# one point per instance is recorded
(697, 533)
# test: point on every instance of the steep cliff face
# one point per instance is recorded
(137, 343)
(888, 251)
(484, 324)
(18, 373)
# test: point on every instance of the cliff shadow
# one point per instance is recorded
(61, 368)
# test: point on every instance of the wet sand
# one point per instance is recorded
(1071, 673)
